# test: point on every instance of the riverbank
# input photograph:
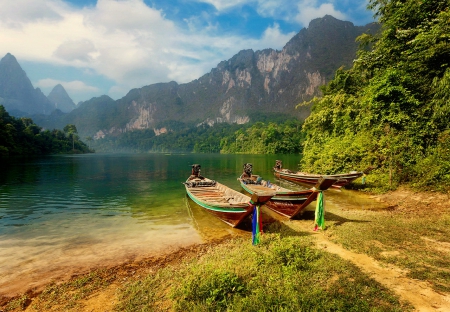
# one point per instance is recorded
(395, 259)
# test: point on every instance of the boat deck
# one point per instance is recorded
(218, 195)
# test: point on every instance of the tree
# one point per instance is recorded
(71, 131)
(89, 139)
(389, 111)
(19, 137)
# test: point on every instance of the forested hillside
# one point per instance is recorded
(391, 110)
(282, 135)
(22, 137)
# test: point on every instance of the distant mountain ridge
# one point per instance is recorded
(250, 82)
(17, 94)
(20, 98)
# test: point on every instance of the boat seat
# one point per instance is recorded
(200, 183)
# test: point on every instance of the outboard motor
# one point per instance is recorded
(196, 170)
(278, 164)
(248, 177)
(195, 174)
(248, 170)
(197, 180)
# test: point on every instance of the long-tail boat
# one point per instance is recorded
(342, 179)
(227, 204)
(286, 202)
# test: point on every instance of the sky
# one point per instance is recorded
(97, 47)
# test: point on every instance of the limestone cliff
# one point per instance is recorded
(266, 81)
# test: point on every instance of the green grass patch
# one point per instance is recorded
(283, 273)
(18, 304)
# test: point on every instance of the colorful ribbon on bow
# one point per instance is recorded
(256, 225)
(319, 220)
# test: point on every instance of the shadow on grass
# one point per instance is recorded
(331, 217)
(284, 230)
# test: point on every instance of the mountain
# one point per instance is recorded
(17, 94)
(60, 99)
(266, 82)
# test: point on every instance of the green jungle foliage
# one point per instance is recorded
(391, 110)
(22, 137)
(256, 138)
(265, 138)
(203, 139)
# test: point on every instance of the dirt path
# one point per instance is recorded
(418, 293)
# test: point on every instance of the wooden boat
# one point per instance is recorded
(286, 202)
(230, 206)
(342, 179)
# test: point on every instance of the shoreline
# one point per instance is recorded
(138, 266)
(33, 276)
(403, 201)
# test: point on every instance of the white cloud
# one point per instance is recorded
(125, 41)
(18, 12)
(76, 50)
(221, 5)
(131, 16)
(201, 22)
(281, 9)
(309, 10)
(77, 85)
(274, 38)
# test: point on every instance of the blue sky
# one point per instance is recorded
(96, 47)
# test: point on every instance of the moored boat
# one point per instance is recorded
(286, 202)
(227, 204)
(342, 179)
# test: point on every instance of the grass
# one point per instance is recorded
(284, 273)
(68, 295)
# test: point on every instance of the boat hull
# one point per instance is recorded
(228, 205)
(287, 203)
(302, 178)
(232, 216)
(291, 208)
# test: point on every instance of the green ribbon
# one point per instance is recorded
(319, 220)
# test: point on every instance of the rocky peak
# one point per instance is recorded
(16, 91)
(13, 80)
(62, 101)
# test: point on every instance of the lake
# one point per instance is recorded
(62, 215)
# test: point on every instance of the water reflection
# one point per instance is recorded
(63, 214)
(208, 226)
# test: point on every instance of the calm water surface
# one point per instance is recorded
(61, 215)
